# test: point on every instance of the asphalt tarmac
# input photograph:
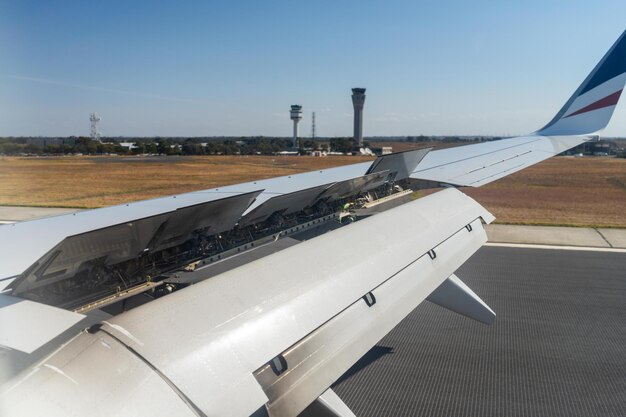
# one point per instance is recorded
(557, 347)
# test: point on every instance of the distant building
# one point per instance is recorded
(383, 150)
(128, 145)
(596, 147)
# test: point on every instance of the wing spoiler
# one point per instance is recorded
(270, 337)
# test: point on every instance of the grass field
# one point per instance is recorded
(89, 182)
(559, 191)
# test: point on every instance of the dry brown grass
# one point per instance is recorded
(559, 191)
(89, 182)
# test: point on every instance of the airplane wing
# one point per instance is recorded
(480, 164)
(272, 332)
(267, 338)
(588, 111)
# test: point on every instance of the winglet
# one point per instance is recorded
(454, 295)
(591, 106)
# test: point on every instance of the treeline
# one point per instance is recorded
(262, 146)
(168, 146)
(423, 138)
(192, 146)
(345, 145)
(86, 146)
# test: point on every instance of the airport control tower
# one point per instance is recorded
(358, 99)
(296, 116)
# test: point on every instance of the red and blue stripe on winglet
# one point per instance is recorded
(590, 108)
(610, 100)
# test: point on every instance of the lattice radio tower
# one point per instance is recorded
(313, 126)
(94, 118)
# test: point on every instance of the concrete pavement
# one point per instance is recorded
(557, 236)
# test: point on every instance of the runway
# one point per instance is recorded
(557, 347)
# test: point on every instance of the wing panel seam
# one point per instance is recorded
(193, 407)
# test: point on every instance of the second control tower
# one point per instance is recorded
(296, 116)
(358, 99)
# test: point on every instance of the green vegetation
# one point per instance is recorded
(156, 146)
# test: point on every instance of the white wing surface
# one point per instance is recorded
(26, 325)
(274, 332)
(480, 164)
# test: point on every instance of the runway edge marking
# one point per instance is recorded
(554, 247)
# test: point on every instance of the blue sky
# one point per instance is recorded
(205, 68)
